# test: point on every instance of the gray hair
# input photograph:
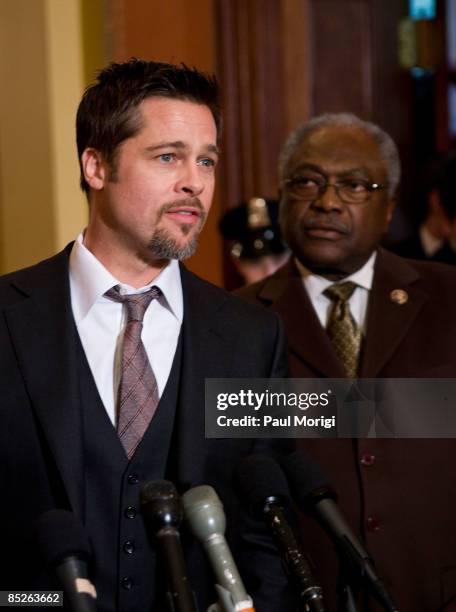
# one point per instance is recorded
(386, 145)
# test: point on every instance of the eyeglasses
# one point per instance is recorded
(349, 191)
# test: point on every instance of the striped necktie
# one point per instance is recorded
(137, 398)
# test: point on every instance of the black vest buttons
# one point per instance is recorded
(129, 547)
(127, 583)
(133, 479)
(130, 512)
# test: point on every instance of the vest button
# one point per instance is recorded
(372, 524)
(130, 512)
(129, 547)
(367, 459)
(127, 583)
(133, 479)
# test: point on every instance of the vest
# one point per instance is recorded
(124, 564)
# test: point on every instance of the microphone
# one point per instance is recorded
(263, 484)
(315, 497)
(162, 510)
(65, 547)
(205, 515)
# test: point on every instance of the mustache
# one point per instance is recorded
(327, 223)
(187, 202)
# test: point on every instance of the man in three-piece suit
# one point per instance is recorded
(81, 338)
(338, 179)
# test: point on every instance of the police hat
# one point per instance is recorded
(254, 227)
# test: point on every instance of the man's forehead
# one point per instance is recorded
(338, 146)
(171, 119)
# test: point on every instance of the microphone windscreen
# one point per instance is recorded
(161, 505)
(260, 479)
(60, 534)
(307, 482)
(204, 512)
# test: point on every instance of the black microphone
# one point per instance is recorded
(205, 515)
(162, 510)
(263, 485)
(316, 498)
(65, 547)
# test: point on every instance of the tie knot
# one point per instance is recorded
(340, 292)
(136, 303)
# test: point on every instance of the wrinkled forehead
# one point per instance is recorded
(339, 149)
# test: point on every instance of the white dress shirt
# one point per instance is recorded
(101, 322)
(315, 285)
(430, 243)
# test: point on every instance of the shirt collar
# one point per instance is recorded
(89, 281)
(316, 284)
(430, 243)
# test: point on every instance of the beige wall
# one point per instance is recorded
(41, 208)
(49, 50)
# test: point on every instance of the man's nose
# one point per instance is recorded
(328, 199)
(190, 180)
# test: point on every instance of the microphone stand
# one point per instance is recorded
(346, 600)
(297, 567)
(347, 584)
(162, 511)
(179, 596)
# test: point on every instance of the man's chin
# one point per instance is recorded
(164, 246)
(324, 265)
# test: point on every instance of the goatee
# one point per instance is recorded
(162, 246)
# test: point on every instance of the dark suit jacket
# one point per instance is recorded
(41, 458)
(399, 494)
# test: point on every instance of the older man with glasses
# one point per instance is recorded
(352, 309)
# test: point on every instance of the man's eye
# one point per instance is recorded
(355, 185)
(166, 157)
(307, 181)
(206, 162)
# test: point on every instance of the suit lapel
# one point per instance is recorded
(43, 333)
(393, 306)
(207, 353)
(389, 318)
(307, 339)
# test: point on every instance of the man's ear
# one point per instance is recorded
(94, 168)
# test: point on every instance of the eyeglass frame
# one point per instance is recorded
(371, 187)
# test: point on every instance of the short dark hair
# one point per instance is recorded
(107, 113)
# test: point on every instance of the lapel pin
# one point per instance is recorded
(399, 296)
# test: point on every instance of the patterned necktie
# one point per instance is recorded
(342, 329)
(137, 398)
